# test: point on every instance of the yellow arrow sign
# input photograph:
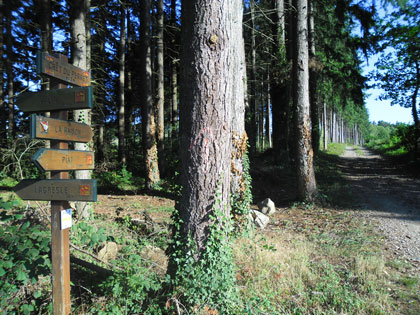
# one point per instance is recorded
(63, 160)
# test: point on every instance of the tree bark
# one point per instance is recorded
(313, 79)
(205, 116)
(160, 84)
(121, 92)
(79, 11)
(148, 115)
(307, 190)
(239, 189)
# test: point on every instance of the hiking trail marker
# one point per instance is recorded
(59, 159)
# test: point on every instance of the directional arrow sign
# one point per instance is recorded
(63, 160)
(61, 99)
(56, 129)
(59, 69)
(57, 189)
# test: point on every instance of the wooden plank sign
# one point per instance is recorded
(56, 129)
(51, 100)
(63, 160)
(57, 189)
(59, 69)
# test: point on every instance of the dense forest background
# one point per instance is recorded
(285, 86)
(340, 35)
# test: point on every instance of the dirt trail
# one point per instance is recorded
(389, 196)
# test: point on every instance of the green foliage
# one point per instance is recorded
(87, 234)
(205, 281)
(391, 139)
(127, 291)
(6, 181)
(24, 264)
(115, 180)
(336, 149)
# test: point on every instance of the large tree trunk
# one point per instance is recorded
(121, 91)
(307, 190)
(207, 63)
(79, 11)
(205, 115)
(148, 115)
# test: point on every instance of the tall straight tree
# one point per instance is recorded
(174, 70)
(307, 189)
(148, 112)
(79, 10)
(240, 194)
(313, 77)
(121, 91)
(160, 83)
(205, 152)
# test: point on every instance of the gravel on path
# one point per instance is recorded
(389, 197)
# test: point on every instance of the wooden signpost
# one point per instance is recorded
(60, 69)
(59, 189)
(63, 99)
(55, 129)
(63, 160)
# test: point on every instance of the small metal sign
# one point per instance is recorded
(66, 219)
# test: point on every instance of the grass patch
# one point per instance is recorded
(336, 148)
(325, 263)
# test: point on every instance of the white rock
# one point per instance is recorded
(108, 252)
(259, 219)
(267, 206)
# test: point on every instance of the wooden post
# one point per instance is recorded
(60, 253)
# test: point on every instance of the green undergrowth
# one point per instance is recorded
(310, 260)
(331, 184)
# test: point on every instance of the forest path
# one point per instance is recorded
(387, 195)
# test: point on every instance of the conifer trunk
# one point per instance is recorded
(121, 91)
(79, 11)
(160, 84)
(148, 113)
(307, 189)
(205, 116)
